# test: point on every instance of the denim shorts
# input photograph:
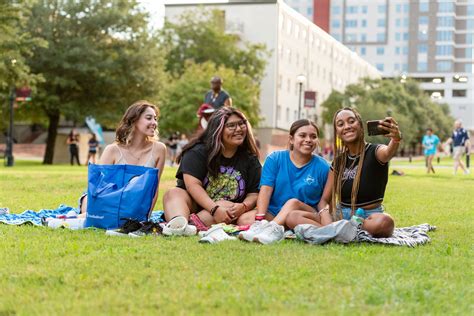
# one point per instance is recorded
(346, 211)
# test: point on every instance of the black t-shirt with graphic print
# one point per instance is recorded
(373, 179)
(237, 176)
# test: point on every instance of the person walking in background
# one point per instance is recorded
(73, 141)
(430, 144)
(217, 97)
(460, 140)
(173, 147)
(93, 147)
(183, 141)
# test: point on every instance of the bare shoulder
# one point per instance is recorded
(160, 148)
(109, 155)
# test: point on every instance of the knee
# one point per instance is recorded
(293, 204)
(171, 194)
(293, 219)
(246, 219)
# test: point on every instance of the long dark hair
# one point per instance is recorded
(340, 159)
(211, 137)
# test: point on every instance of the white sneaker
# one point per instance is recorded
(271, 233)
(176, 226)
(215, 235)
(254, 230)
(190, 230)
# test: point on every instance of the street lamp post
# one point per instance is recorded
(301, 79)
(9, 149)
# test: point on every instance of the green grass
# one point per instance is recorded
(47, 271)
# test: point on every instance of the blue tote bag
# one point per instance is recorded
(115, 192)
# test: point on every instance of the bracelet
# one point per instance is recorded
(399, 140)
(246, 208)
(259, 217)
(214, 209)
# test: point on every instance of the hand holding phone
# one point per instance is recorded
(374, 130)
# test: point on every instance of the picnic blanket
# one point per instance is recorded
(34, 218)
(406, 236)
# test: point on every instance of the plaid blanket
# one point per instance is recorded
(34, 218)
(406, 236)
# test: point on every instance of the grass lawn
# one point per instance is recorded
(45, 271)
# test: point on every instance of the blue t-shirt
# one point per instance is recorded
(288, 181)
(430, 143)
(459, 137)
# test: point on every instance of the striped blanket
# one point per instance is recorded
(406, 236)
(34, 218)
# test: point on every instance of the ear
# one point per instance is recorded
(290, 141)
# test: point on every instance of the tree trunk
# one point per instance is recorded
(51, 140)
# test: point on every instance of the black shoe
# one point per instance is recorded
(148, 228)
(129, 226)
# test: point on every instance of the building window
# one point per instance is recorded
(397, 50)
(444, 65)
(423, 20)
(337, 36)
(406, 8)
(405, 50)
(422, 49)
(381, 22)
(423, 35)
(352, 9)
(444, 50)
(380, 37)
(405, 67)
(335, 10)
(363, 51)
(398, 36)
(351, 37)
(405, 22)
(309, 11)
(399, 8)
(470, 9)
(446, 7)
(380, 50)
(468, 68)
(469, 53)
(398, 22)
(470, 24)
(445, 21)
(351, 23)
(379, 67)
(363, 38)
(363, 23)
(381, 8)
(405, 36)
(469, 38)
(459, 93)
(336, 23)
(444, 36)
(364, 9)
(424, 6)
(423, 66)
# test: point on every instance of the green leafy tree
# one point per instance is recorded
(184, 94)
(406, 102)
(16, 45)
(200, 36)
(100, 58)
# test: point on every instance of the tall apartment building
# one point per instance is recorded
(429, 40)
(302, 55)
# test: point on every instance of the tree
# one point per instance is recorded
(406, 102)
(100, 58)
(15, 46)
(200, 36)
(184, 95)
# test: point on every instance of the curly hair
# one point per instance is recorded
(124, 131)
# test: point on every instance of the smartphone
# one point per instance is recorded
(373, 130)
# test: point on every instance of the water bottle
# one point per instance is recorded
(358, 217)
